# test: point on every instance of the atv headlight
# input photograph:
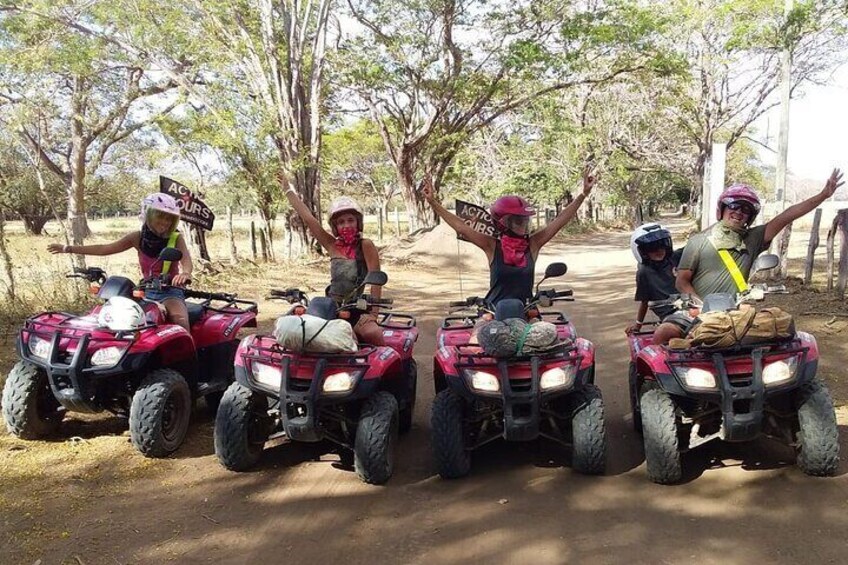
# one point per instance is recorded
(267, 375)
(338, 382)
(107, 356)
(39, 347)
(780, 371)
(483, 381)
(694, 377)
(558, 377)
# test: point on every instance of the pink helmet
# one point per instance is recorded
(341, 205)
(739, 193)
(510, 206)
(160, 203)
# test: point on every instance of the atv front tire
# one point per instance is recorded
(588, 433)
(659, 430)
(376, 436)
(448, 435)
(160, 413)
(239, 432)
(29, 407)
(818, 437)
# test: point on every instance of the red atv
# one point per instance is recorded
(685, 398)
(480, 398)
(359, 401)
(149, 372)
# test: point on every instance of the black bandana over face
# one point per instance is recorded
(151, 244)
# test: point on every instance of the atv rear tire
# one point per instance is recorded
(160, 413)
(405, 415)
(634, 389)
(29, 407)
(818, 437)
(239, 432)
(588, 433)
(376, 437)
(659, 428)
(453, 460)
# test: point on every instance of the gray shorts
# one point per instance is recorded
(681, 319)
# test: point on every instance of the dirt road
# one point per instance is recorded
(521, 504)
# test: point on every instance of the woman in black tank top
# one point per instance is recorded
(512, 253)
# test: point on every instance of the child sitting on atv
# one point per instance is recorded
(513, 252)
(352, 257)
(160, 217)
(651, 245)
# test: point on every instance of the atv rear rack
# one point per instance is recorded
(232, 302)
(389, 319)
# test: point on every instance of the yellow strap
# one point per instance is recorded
(172, 242)
(735, 273)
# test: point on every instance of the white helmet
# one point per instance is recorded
(159, 203)
(345, 204)
(647, 234)
(121, 314)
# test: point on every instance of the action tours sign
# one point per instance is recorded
(192, 209)
(475, 216)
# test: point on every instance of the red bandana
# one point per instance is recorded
(347, 242)
(514, 250)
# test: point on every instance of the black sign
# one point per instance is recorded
(192, 209)
(475, 216)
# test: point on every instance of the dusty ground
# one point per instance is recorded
(89, 498)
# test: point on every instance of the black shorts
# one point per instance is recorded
(681, 319)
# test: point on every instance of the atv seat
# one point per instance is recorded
(195, 312)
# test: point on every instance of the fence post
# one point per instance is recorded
(811, 248)
(843, 254)
(231, 236)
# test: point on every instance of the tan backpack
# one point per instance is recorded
(746, 326)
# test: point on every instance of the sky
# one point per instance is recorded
(818, 129)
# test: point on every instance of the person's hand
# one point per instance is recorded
(181, 279)
(633, 328)
(55, 248)
(834, 182)
(427, 188)
(590, 178)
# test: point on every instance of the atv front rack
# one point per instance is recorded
(471, 359)
(65, 370)
(301, 398)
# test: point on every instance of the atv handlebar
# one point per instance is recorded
(91, 274)
(290, 295)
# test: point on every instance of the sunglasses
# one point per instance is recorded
(744, 207)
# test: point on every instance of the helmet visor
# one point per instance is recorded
(162, 223)
(517, 224)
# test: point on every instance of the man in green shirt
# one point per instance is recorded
(703, 271)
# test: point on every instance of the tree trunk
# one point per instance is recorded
(783, 252)
(34, 224)
(197, 242)
(7, 260)
(79, 147)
